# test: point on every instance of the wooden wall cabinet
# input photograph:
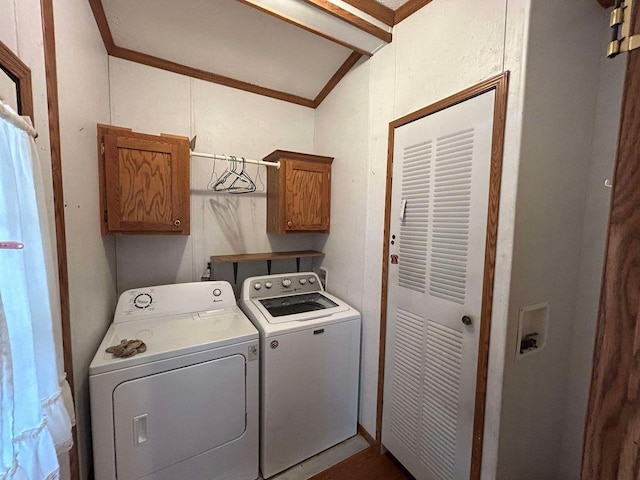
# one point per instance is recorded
(144, 182)
(299, 193)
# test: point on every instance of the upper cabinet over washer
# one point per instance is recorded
(144, 182)
(299, 193)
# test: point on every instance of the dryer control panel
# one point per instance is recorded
(281, 284)
(166, 300)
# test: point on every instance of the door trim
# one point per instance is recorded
(498, 83)
(610, 449)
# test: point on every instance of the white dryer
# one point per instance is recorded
(187, 408)
(309, 367)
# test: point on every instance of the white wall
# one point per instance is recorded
(84, 101)
(225, 120)
(410, 73)
(594, 233)
(563, 59)
(342, 131)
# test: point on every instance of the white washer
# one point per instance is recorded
(187, 408)
(309, 367)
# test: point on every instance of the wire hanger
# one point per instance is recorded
(240, 182)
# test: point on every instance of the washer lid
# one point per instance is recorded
(174, 336)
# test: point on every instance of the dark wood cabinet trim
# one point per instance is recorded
(277, 190)
(110, 140)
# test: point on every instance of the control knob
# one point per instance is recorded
(257, 285)
(286, 283)
(312, 280)
(303, 281)
(268, 284)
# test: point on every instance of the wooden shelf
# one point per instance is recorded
(258, 257)
(261, 257)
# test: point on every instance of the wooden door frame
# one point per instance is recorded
(51, 76)
(498, 83)
(612, 427)
(20, 74)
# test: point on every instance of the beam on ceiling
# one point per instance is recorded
(409, 8)
(350, 18)
(174, 67)
(151, 61)
(304, 26)
(103, 24)
(375, 9)
(339, 75)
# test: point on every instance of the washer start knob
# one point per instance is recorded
(286, 283)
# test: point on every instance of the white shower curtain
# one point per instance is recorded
(35, 418)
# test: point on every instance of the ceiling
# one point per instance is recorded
(228, 38)
(294, 50)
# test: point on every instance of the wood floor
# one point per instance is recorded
(366, 465)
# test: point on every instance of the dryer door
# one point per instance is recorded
(169, 417)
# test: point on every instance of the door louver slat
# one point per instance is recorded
(407, 379)
(449, 251)
(443, 363)
(414, 229)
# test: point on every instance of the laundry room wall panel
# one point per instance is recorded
(8, 33)
(149, 100)
(447, 47)
(83, 89)
(443, 48)
(559, 106)
(225, 121)
(342, 131)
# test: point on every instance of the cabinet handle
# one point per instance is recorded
(177, 223)
(289, 223)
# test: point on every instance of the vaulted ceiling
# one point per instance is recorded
(293, 50)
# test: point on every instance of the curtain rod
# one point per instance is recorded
(230, 157)
(11, 116)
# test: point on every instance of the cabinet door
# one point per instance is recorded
(147, 185)
(308, 196)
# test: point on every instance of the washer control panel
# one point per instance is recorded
(282, 284)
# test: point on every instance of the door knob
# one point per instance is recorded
(466, 320)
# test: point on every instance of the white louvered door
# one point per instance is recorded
(439, 206)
